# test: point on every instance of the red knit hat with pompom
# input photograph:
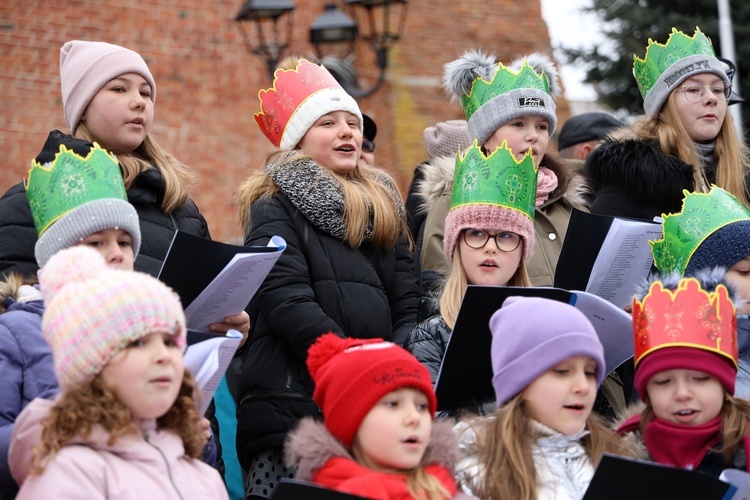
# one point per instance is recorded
(351, 375)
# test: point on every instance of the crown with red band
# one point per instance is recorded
(297, 99)
(689, 316)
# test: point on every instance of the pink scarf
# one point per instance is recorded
(545, 184)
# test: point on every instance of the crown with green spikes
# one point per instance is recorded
(659, 57)
(504, 80)
(498, 179)
(702, 215)
(56, 188)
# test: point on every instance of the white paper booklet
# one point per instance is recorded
(208, 361)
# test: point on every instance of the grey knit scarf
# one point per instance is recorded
(317, 194)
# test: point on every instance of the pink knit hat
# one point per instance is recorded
(86, 66)
(446, 138)
(93, 312)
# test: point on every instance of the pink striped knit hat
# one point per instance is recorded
(92, 312)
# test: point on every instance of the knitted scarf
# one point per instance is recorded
(317, 194)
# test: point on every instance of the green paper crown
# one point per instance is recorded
(682, 233)
(498, 179)
(70, 181)
(504, 80)
(660, 57)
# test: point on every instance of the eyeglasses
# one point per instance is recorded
(368, 146)
(506, 241)
(695, 93)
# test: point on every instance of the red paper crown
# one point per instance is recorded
(686, 317)
(291, 88)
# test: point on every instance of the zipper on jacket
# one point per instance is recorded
(166, 462)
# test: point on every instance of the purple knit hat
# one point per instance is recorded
(86, 66)
(530, 335)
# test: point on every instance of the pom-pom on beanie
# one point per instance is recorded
(351, 375)
(530, 335)
(86, 66)
(93, 312)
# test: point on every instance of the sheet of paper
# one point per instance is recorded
(740, 480)
(623, 261)
(232, 289)
(208, 361)
(613, 326)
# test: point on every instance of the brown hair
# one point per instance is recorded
(10, 285)
(96, 403)
(454, 286)
(177, 177)
(732, 155)
(505, 451)
(368, 193)
(734, 424)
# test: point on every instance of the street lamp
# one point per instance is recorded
(384, 23)
(272, 38)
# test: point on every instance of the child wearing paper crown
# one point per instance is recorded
(125, 424)
(378, 440)
(75, 200)
(711, 233)
(686, 140)
(347, 267)
(542, 442)
(513, 103)
(686, 363)
(489, 237)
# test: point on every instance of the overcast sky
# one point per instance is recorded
(570, 27)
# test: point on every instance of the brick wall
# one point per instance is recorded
(207, 83)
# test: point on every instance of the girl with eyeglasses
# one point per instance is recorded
(687, 140)
(489, 237)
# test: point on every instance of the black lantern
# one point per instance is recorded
(271, 37)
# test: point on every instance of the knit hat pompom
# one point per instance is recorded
(459, 75)
(67, 268)
(325, 348)
(541, 63)
(92, 312)
(351, 375)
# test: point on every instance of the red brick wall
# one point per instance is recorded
(207, 83)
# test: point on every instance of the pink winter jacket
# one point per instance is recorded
(134, 467)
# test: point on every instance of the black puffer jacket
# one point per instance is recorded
(633, 178)
(428, 342)
(319, 284)
(18, 235)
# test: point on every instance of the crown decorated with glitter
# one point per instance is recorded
(689, 316)
(702, 214)
(498, 179)
(504, 80)
(292, 89)
(69, 181)
(659, 56)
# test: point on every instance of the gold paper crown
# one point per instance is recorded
(686, 317)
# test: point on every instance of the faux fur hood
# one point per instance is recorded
(439, 174)
(640, 169)
(633, 440)
(311, 445)
(709, 279)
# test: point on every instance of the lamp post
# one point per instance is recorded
(271, 38)
(383, 22)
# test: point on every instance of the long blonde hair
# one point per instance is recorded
(369, 194)
(10, 285)
(177, 177)
(732, 154)
(505, 450)
(735, 413)
(454, 286)
(78, 410)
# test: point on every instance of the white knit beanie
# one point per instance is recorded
(86, 66)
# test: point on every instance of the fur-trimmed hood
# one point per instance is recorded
(311, 445)
(635, 178)
(439, 174)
